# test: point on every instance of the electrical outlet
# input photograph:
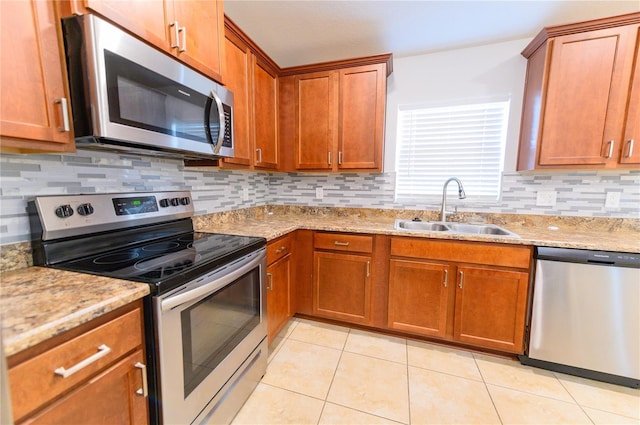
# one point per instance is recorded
(612, 200)
(319, 193)
(546, 198)
(245, 193)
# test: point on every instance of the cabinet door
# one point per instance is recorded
(316, 110)
(342, 286)
(278, 296)
(201, 33)
(630, 153)
(34, 103)
(145, 19)
(362, 105)
(419, 297)
(265, 115)
(586, 96)
(110, 398)
(238, 81)
(491, 307)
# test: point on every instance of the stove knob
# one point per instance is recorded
(175, 202)
(164, 203)
(85, 209)
(185, 201)
(64, 211)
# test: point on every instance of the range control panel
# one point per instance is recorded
(72, 215)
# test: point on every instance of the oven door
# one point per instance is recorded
(206, 330)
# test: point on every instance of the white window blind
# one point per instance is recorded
(465, 141)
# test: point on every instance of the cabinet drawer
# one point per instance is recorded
(463, 252)
(343, 242)
(37, 380)
(278, 248)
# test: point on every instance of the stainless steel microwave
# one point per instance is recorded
(128, 96)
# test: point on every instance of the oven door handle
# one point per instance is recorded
(213, 286)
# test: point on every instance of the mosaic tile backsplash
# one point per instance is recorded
(213, 190)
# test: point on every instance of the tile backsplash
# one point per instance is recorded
(25, 176)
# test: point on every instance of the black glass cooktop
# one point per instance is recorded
(167, 262)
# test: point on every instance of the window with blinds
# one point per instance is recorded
(464, 141)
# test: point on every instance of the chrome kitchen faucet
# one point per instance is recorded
(461, 195)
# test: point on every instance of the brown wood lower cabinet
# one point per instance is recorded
(109, 398)
(418, 297)
(342, 277)
(435, 290)
(93, 374)
(279, 310)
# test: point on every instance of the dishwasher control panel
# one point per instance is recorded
(585, 256)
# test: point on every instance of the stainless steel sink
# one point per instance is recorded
(426, 226)
(448, 227)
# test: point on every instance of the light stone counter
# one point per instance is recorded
(37, 303)
(575, 233)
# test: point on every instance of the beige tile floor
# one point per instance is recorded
(326, 374)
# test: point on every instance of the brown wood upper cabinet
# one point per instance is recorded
(35, 109)
(582, 96)
(252, 77)
(332, 115)
(192, 30)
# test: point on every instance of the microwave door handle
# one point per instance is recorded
(220, 138)
(201, 291)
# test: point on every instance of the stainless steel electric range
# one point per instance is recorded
(205, 320)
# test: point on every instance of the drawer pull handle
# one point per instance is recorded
(610, 151)
(182, 47)
(65, 115)
(461, 280)
(446, 278)
(270, 279)
(103, 350)
(630, 151)
(281, 249)
(336, 243)
(176, 35)
(144, 391)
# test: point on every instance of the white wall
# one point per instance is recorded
(458, 75)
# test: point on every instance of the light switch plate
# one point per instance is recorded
(546, 198)
(319, 193)
(612, 200)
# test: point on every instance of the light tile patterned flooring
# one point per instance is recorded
(326, 374)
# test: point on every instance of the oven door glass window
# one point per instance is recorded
(213, 327)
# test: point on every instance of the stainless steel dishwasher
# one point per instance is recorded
(584, 317)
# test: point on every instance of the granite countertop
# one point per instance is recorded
(37, 303)
(539, 234)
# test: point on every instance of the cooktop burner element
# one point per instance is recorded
(131, 236)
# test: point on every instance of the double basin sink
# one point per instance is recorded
(448, 227)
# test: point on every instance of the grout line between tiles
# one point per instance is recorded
(555, 375)
(486, 387)
(335, 371)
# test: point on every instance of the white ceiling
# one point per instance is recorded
(297, 32)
